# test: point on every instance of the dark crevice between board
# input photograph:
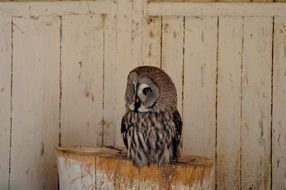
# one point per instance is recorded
(241, 88)
(11, 101)
(271, 110)
(60, 88)
(216, 99)
(103, 75)
(60, 83)
(161, 42)
(183, 69)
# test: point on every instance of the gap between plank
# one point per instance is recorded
(183, 72)
(161, 42)
(271, 109)
(216, 102)
(60, 83)
(241, 98)
(11, 101)
(103, 83)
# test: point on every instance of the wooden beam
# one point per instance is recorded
(35, 9)
(216, 9)
(108, 168)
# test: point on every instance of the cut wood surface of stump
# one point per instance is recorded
(109, 168)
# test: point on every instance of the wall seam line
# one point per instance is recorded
(161, 42)
(103, 82)
(241, 99)
(271, 110)
(11, 102)
(216, 98)
(60, 82)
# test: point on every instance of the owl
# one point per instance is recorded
(151, 127)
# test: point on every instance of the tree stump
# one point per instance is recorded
(108, 168)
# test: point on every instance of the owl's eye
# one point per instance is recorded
(147, 90)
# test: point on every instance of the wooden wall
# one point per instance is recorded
(63, 70)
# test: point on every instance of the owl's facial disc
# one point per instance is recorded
(145, 97)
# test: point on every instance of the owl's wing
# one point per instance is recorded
(124, 131)
(177, 138)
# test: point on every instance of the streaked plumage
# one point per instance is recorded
(151, 126)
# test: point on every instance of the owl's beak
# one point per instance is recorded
(137, 103)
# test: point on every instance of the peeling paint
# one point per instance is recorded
(34, 17)
(261, 129)
(80, 64)
(151, 34)
(175, 34)
(42, 149)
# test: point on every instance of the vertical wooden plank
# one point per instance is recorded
(229, 102)
(82, 80)
(256, 103)
(146, 35)
(109, 121)
(36, 53)
(5, 97)
(152, 41)
(137, 38)
(124, 62)
(200, 86)
(172, 52)
(279, 105)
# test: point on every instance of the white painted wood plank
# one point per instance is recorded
(279, 105)
(216, 9)
(124, 62)
(152, 41)
(229, 102)
(26, 9)
(109, 122)
(82, 80)
(200, 86)
(256, 103)
(172, 52)
(5, 98)
(138, 19)
(35, 116)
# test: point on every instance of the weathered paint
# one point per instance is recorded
(256, 103)
(172, 53)
(200, 86)
(35, 105)
(279, 105)
(82, 94)
(229, 102)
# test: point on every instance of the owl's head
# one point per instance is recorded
(150, 89)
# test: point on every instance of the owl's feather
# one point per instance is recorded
(152, 137)
(152, 126)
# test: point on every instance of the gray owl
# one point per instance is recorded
(152, 126)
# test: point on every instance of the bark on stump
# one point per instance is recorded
(108, 168)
